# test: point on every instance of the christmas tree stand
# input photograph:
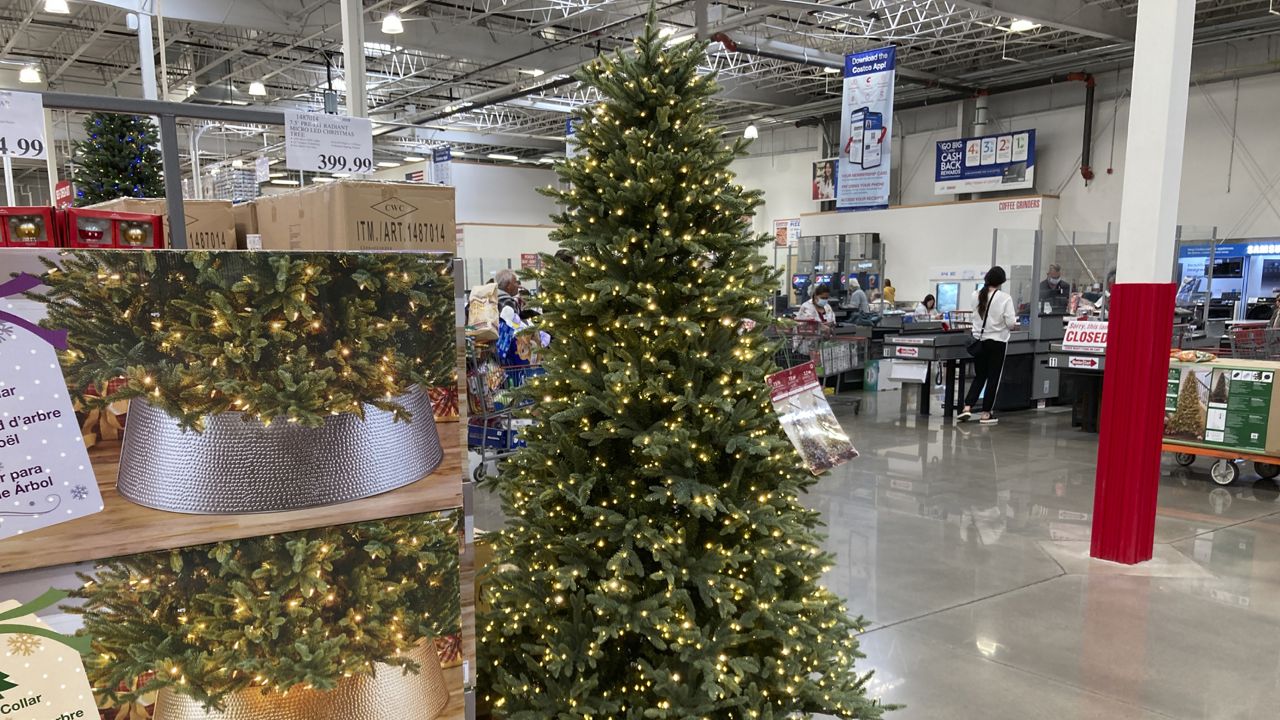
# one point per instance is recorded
(239, 464)
(388, 694)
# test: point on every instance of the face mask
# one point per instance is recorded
(1054, 281)
(823, 302)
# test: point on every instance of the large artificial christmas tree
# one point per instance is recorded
(119, 158)
(658, 563)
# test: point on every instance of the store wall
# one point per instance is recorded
(958, 235)
(1236, 189)
(501, 194)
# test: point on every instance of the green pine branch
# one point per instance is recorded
(296, 609)
(278, 336)
(658, 562)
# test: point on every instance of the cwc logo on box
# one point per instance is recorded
(394, 208)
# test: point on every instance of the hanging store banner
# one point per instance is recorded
(442, 165)
(984, 164)
(866, 126)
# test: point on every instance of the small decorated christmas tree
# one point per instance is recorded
(658, 562)
(273, 335)
(120, 158)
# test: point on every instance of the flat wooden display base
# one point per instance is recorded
(124, 528)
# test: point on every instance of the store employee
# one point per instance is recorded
(1053, 291)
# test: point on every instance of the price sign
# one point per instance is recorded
(22, 125)
(327, 143)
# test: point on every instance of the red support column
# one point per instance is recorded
(1131, 425)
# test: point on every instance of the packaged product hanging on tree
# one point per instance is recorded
(807, 419)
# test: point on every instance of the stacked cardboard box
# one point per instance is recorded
(210, 223)
(359, 215)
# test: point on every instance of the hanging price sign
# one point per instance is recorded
(22, 125)
(327, 143)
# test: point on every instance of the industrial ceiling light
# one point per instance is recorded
(257, 89)
(457, 153)
(831, 70)
(1019, 25)
(413, 158)
(29, 74)
(388, 164)
(533, 72)
(57, 7)
(391, 24)
(500, 156)
(751, 133)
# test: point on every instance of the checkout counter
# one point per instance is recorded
(950, 348)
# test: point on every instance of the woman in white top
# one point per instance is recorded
(927, 309)
(814, 318)
(996, 318)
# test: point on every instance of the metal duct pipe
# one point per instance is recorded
(980, 107)
(1086, 150)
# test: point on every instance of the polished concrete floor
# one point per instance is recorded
(967, 548)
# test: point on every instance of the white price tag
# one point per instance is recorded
(327, 143)
(22, 125)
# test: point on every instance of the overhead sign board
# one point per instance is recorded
(1006, 161)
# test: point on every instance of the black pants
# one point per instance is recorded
(987, 367)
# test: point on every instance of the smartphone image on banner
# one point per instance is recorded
(857, 122)
(872, 135)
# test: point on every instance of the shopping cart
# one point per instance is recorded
(832, 355)
(494, 417)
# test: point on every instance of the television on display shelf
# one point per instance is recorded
(1228, 267)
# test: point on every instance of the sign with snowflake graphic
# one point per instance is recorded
(41, 671)
(45, 474)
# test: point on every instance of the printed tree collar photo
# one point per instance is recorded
(293, 337)
(270, 617)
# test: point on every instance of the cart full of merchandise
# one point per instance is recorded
(494, 418)
(1206, 394)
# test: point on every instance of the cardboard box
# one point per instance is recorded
(28, 227)
(210, 224)
(1226, 404)
(245, 216)
(97, 228)
(359, 215)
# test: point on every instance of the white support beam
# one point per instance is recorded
(1077, 16)
(146, 57)
(353, 57)
(1157, 131)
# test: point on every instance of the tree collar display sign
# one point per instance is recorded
(45, 474)
(42, 674)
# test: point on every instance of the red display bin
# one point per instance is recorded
(28, 227)
(88, 228)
